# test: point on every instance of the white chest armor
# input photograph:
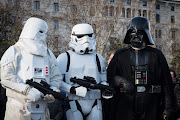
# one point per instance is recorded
(82, 65)
(32, 66)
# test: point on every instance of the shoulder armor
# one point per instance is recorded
(52, 57)
(102, 63)
(8, 56)
(62, 62)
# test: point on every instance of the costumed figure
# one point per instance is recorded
(29, 58)
(141, 78)
(83, 63)
(3, 100)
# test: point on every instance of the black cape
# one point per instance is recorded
(121, 106)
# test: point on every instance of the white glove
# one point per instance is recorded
(49, 97)
(33, 94)
(81, 91)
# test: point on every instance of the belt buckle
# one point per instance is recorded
(141, 89)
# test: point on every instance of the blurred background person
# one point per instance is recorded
(176, 85)
(111, 56)
(3, 100)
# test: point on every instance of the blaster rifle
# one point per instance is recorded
(45, 89)
(90, 82)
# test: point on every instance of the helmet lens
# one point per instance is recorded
(80, 36)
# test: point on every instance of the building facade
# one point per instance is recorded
(109, 18)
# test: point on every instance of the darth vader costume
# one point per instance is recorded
(141, 78)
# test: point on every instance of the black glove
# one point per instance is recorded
(72, 90)
(170, 114)
(124, 85)
(107, 94)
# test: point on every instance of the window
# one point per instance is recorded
(144, 13)
(111, 11)
(128, 13)
(173, 34)
(156, 36)
(144, 3)
(74, 9)
(159, 34)
(36, 5)
(172, 19)
(106, 11)
(157, 18)
(55, 42)
(15, 2)
(56, 7)
(56, 24)
(139, 12)
(111, 1)
(158, 7)
(123, 12)
(128, 2)
(172, 8)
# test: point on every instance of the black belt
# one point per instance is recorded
(146, 88)
(149, 89)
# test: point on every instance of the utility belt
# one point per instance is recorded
(148, 89)
(145, 89)
(141, 83)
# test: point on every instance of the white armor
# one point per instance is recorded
(83, 64)
(29, 58)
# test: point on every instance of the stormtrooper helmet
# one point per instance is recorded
(35, 29)
(83, 39)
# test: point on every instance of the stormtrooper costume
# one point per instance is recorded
(29, 58)
(79, 62)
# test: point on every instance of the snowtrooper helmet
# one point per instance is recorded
(35, 29)
(83, 39)
(139, 32)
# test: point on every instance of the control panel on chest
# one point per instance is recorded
(33, 67)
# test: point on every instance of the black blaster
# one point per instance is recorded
(45, 89)
(90, 83)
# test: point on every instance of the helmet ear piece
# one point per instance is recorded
(75, 39)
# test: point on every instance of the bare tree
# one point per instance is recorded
(102, 15)
(10, 27)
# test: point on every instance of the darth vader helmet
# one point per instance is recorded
(138, 34)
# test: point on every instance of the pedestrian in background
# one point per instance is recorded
(3, 100)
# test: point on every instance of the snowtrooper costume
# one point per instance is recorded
(79, 62)
(29, 58)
